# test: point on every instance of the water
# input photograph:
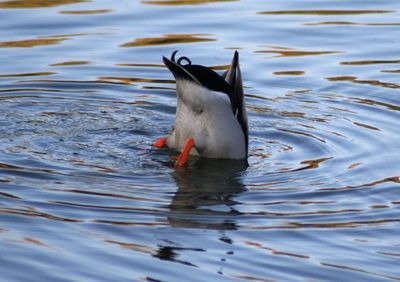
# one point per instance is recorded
(85, 197)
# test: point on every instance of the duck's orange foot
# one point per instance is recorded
(160, 143)
(183, 158)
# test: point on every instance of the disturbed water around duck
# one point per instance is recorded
(83, 95)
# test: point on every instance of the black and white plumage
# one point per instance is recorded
(211, 116)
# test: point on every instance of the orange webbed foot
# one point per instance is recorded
(183, 158)
(160, 143)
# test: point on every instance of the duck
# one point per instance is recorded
(211, 119)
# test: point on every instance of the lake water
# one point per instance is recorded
(83, 95)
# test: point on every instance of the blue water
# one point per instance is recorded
(83, 95)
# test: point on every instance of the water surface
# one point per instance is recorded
(83, 94)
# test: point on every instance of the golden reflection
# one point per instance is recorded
(394, 179)
(70, 63)
(182, 2)
(133, 247)
(325, 12)
(274, 251)
(141, 65)
(27, 74)
(377, 103)
(302, 133)
(23, 4)
(31, 212)
(312, 164)
(130, 80)
(351, 23)
(168, 39)
(294, 72)
(292, 114)
(86, 12)
(31, 42)
(291, 52)
(370, 62)
(361, 81)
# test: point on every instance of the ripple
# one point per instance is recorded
(28, 43)
(86, 12)
(70, 63)
(354, 79)
(326, 12)
(290, 52)
(24, 4)
(168, 39)
(183, 2)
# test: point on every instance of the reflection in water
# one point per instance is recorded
(182, 2)
(351, 23)
(325, 12)
(86, 12)
(78, 114)
(293, 72)
(364, 81)
(44, 73)
(168, 39)
(32, 42)
(70, 63)
(205, 192)
(290, 52)
(370, 62)
(23, 4)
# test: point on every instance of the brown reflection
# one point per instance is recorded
(274, 251)
(182, 2)
(133, 247)
(294, 72)
(345, 267)
(141, 65)
(205, 194)
(168, 39)
(366, 126)
(354, 165)
(394, 179)
(27, 74)
(351, 23)
(361, 81)
(325, 12)
(23, 4)
(292, 114)
(130, 80)
(31, 212)
(328, 225)
(370, 62)
(32, 42)
(70, 63)
(291, 52)
(312, 164)
(302, 133)
(87, 12)
(377, 103)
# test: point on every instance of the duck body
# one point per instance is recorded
(211, 119)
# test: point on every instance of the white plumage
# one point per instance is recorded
(211, 119)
